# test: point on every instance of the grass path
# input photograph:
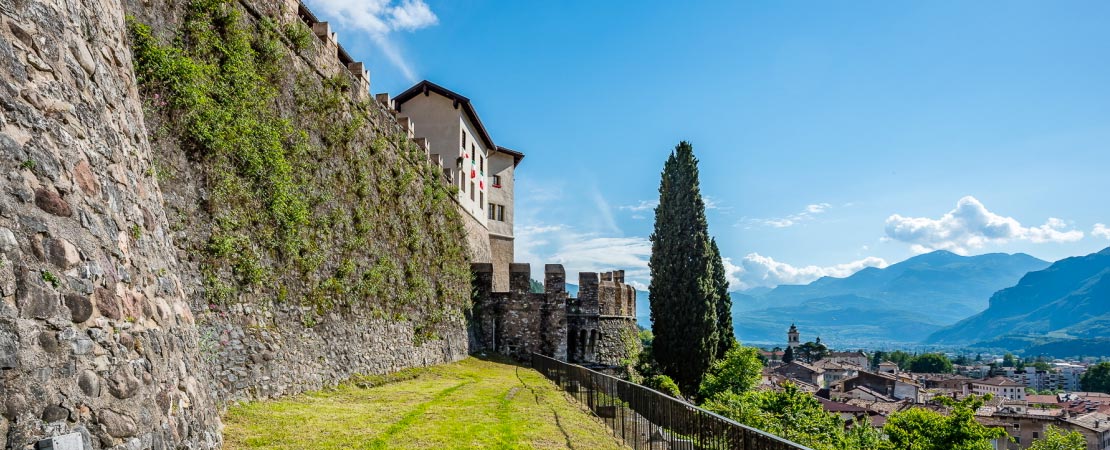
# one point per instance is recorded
(472, 404)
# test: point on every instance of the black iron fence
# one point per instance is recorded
(647, 419)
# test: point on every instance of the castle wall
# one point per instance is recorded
(518, 323)
(619, 342)
(477, 237)
(105, 329)
(261, 346)
(501, 255)
(96, 334)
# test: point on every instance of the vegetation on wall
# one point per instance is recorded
(312, 197)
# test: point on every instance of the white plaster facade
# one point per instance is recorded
(482, 171)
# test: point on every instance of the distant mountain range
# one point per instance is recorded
(1069, 300)
(902, 303)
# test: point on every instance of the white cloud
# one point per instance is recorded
(380, 18)
(411, 15)
(756, 270)
(712, 203)
(970, 225)
(810, 212)
(583, 252)
(818, 208)
(644, 205)
(1101, 231)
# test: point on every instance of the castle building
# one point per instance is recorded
(596, 328)
(481, 170)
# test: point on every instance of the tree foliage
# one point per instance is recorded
(1056, 439)
(931, 363)
(664, 384)
(811, 351)
(682, 291)
(1096, 378)
(726, 337)
(797, 416)
(788, 355)
(739, 371)
(924, 429)
(901, 358)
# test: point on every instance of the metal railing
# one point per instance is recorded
(647, 419)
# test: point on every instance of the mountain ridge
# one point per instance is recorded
(906, 301)
(1065, 300)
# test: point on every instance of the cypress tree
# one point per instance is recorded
(726, 338)
(682, 294)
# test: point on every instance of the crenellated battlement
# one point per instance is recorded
(588, 328)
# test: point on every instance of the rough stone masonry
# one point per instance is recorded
(596, 328)
(98, 300)
(96, 336)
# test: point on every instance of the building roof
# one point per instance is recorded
(873, 393)
(425, 87)
(806, 367)
(517, 156)
(1096, 421)
(1043, 399)
(998, 381)
(838, 407)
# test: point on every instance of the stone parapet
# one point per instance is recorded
(519, 322)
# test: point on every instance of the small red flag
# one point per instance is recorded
(481, 185)
(472, 175)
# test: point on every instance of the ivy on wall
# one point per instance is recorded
(312, 197)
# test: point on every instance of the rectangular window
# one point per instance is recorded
(497, 181)
(492, 208)
(501, 213)
(471, 191)
(464, 139)
(482, 200)
(462, 182)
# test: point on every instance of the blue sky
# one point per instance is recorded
(832, 135)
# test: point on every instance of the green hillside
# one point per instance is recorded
(1068, 300)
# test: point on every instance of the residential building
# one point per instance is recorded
(888, 367)
(890, 385)
(1026, 427)
(481, 170)
(999, 387)
(857, 358)
(803, 372)
(836, 370)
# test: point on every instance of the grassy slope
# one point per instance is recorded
(470, 404)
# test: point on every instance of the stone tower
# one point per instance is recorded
(792, 337)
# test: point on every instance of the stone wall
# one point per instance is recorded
(518, 323)
(501, 249)
(477, 239)
(619, 341)
(260, 346)
(105, 329)
(96, 335)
